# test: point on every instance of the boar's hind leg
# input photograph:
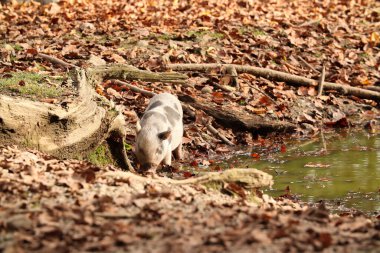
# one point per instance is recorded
(168, 159)
(178, 152)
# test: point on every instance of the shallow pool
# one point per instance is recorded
(342, 169)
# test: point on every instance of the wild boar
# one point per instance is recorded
(159, 132)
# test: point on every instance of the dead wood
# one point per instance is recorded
(238, 120)
(248, 178)
(216, 132)
(128, 72)
(281, 77)
(321, 82)
(134, 88)
(308, 65)
(56, 61)
(374, 88)
(234, 75)
(64, 132)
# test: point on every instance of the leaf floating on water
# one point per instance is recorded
(317, 165)
(255, 155)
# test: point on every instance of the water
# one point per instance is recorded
(342, 169)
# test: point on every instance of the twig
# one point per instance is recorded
(225, 87)
(56, 61)
(282, 77)
(290, 66)
(231, 70)
(134, 88)
(188, 110)
(262, 92)
(307, 64)
(222, 137)
(321, 82)
(126, 159)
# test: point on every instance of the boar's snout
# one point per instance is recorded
(148, 166)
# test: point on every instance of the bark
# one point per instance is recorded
(248, 178)
(127, 72)
(64, 132)
(238, 120)
(282, 77)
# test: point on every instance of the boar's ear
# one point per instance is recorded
(165, 135)
(138, 127)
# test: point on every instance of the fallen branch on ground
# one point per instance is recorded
(134, 88)
(236, 119)
(275, 75)
(248, 178)
(56, 61)
(222, 137)
(308, 65)
(128, 72)
(321, 82)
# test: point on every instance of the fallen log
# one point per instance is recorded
(248, 178)
(238, 120)
(279, 76)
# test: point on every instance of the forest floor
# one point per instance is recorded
(51, 205)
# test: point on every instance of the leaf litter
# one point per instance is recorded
(68, 199)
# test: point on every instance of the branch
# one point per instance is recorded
(307, 64)
(56, 61)
(263, 72)
(134, 88)
(128, 72)
(249, 178)
(236, 119)
(281, 77)
(222, 137)
(321, 82)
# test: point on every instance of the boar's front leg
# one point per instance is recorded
(178, 152)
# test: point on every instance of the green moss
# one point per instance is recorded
(255, 32)
(31, 84)
(164, 36)
(17, 47)
(127, 146)
(258, 32)
(101, 156)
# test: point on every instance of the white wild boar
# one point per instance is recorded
(159, 132)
